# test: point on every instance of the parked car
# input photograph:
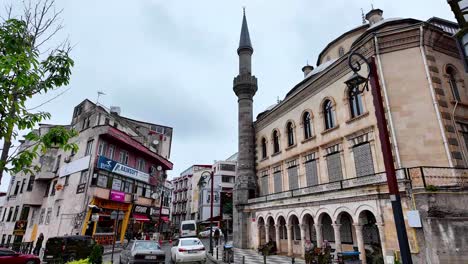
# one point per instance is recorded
(11, 257)
(142, 251)
(188, 228)
(67, 248)
(188, 250)
(206, 232)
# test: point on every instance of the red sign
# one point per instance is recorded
(117, 196)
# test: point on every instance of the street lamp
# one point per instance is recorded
(460, 10)
(359, 84)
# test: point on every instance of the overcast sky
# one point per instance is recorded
(173, 62)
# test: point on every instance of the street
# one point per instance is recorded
(165, 246)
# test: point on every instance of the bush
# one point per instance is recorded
(96, 254)
(431, 188)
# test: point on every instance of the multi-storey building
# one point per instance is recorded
(185, 194)
(319, 165)
(118, 167)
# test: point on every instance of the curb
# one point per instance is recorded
(213, 259)
(107, 252)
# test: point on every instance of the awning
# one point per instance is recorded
(140, 218)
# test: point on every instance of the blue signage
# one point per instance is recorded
(122, 169)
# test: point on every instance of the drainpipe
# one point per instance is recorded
(387, 105)
(434, 100)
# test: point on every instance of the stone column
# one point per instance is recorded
(259, 235)
(318, 231)
(278, 241)
(290, 240)
(267, 233)
(303, 238)
(360, 241)
(336, 230)
(381, 228)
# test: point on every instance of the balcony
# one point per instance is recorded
(33, 197)
(45, 175)
(103, 193)
(369, 180)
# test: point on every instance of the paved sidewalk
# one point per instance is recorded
(251, 257)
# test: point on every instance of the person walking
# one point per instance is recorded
(38, 247)
(216, 236)
(308, 249)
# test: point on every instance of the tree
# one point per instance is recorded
(27, 69)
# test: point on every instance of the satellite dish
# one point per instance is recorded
(155, 142)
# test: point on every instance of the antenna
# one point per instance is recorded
(278, 100)
(363, 17)
(99, 93)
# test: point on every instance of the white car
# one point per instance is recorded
(188, 250)
(206, 232)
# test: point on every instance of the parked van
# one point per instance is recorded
(67, 248)
(188, 228)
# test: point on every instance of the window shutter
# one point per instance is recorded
(363, 160)
(334, 167)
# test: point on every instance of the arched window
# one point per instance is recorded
(452, 73)
(328, 114)
(341, 51)
(290, 129)
(275, 141)
(264, 148)
(355, 102)
(307, 125)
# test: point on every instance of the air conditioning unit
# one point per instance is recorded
(67, 159)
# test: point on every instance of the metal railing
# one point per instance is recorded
(418, 177)
(424, 177)
(21, 247)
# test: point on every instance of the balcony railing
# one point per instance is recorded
(377, 178)
(423, 177)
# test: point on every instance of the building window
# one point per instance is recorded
(30, 183)
(66, 181)
(276, 146)
(41, 216)
(15, 214)
(327, 229)
(52, 192)
(363, 160)
(102, 181)
(311, 172)
(293, 178)
(334, 167)
(307, 125)
(464, 128)
(346, 229)
(89, 147)
(264, 187)
(110, 151)
(124, 157)
(355, 102)
(47, 189)
(47, 218)
(290, 130)
(264, 148)
(24, 213)
(340, 51)
(452, 73)
(141, 164)
(58, 211)
(57, 163)
(33, 217)
(102, 149)
(328, 114)
(4, 214)
(17, 187)
(84, 176)
(10, 214)
(277, 181)
(22, 185)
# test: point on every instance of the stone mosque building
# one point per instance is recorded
(311, 167)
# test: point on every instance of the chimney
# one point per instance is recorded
(115, 110)
(374, 16)
(307, 69)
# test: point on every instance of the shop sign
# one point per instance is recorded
(140, 209)
(119, 168)
(155, 211)
(117, 196)
(74, 166)
(81, 188)
(20, 228)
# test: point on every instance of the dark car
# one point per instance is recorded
(142, 252)
(67, 248)
(11, 257)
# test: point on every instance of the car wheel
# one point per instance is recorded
(71, 258)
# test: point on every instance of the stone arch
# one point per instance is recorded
(306, 212)
(370, 232)
(364, 207)
(290, 215)
(308, 110)
(340, 210)
(448, 66)
(278, 215)
(320, 213)
(324, 100)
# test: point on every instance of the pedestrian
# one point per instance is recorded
(308, 249)
(38, 247)
(216, 236)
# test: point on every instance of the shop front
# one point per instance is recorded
(142, 222)
(112, 218)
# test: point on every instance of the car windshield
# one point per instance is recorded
(146, 245)
(190, 242)
(190, 227)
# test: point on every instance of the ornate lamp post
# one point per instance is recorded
(205, 175)
(359, 83)
(460, 10)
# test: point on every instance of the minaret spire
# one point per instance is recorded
(244, 42)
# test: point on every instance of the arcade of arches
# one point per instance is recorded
(344, 231)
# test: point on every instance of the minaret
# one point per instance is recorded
(245, 86)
